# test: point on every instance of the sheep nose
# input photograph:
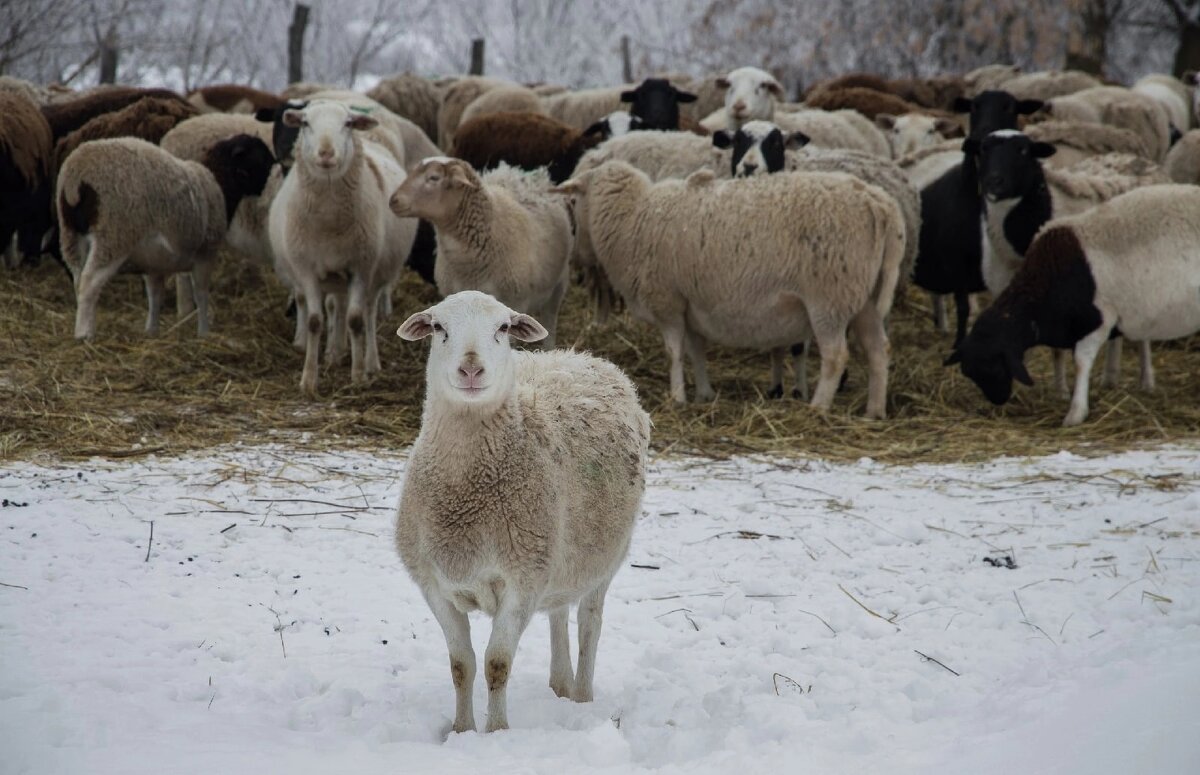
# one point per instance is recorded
(739, 106)
(470, 370)
(325, 154)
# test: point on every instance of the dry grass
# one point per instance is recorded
(127, 395)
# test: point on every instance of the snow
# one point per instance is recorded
(749, 651)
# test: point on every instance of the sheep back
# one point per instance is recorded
(585, 107)
(149, 119)
(232, 98)
(411, 97)
(66, 117)
(191, 139)
(1183, 161)
(504, 99)
(455, 99)
(525, 140)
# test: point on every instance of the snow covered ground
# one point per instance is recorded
(776, 617)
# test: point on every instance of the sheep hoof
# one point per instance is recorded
(561, 688)
(705, 397)
(775, 392)
(799, 394)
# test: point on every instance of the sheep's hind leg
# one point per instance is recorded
(309, 300)
(356, 321)
(831, 341)
(184, 303)
(695, 344)
(373, 364)
(1112, 364)
(510, 621)
(201, 280)
(776, 390)
(940, 320)
(868, 327)
(800, 370)
(1086, 350)
(457, 630)
(562, 676)
(97, 271)
(591, 614)
(335, 337)
(673, 336)
(1060, 372)
(1147, 382)
(156, 289)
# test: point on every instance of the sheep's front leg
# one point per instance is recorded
(776, 390)
(373, 313)
(800, 370)
(549, 314)
(591, 614)
(1060, 372)
(831, 340)
(201, 281)
(695, 345)
(1112, 363)
(156, 289)
(562, 676)
(356, 320)
(335, 336)
(868, 327)
(457, 630)
(97, 271)
(673, 336)
(184, 302)
(308, 299)
(1147, 365)
(510, 621)
(298, 338)
(1086, 350)
(940, 320)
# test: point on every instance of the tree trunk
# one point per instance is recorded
(626, 60)
(476, 57)
(109, 52)
(296, 43)
(1087, 43)
(1187, 56)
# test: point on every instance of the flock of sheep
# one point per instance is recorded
(712, 208)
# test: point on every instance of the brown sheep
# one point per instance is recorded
(149, 119)
(869, 102)
(412, 97)
(66, 117)
(232, 98)
(938, 92)
(26, 150)
(525, 140)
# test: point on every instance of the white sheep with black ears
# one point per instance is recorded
(521, 492)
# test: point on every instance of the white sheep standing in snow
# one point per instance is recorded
(521, 492)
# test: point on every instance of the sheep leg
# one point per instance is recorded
(1086, 350)
(562, 676)
(96, 273)
(1147, 365)
(356, 321)
(1112, 364)
(309, 300)
(940, 320)
(831, 340)
(695, 344)
(156, 288)
(298, 338)
(776, 390)
(590, 614)
(800, 370)
(962, 312)
(673, 336)
(868, 327)
(457, 630)
(1060, 372)
(373, 364)
(510, 621)
(335, 337)
(201, 280)
(184, 303)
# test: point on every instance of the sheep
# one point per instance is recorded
(1174, 96)
(1075, 141)
(129, 203)
(988, 78)
(846, 129)
(1182, 164)
(1048, 84)
(26, 174)
(656, 102)
(191, 139)
(937, 93)
(914, 131)
(710, 95)
(502, 99)
(750, 95)
(501, 233)
(1132, 263)
(521, 492)
(1116, 106)
(232, 98)
(822, 253)
(455, 99)
(66, 117)
(585, 107)
(866, 101)
(412, 97)
(30, 91)
(760, 147)
(525, 140)
(332, 234)
(150, 118)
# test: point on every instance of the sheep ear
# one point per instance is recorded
(361, 123)
(775, 88)
(684, 96)
(722, 139)
(571, 186)
(722, 83)
(459, 177)
(265, 115)
(885, 121)
(628, 96)
(293, 118)
(525, 328)
(796, 140)
(1189, 77)
(1016, 364)
(1025, 107)
(1043, 150)
(418, 326)
(962, 105)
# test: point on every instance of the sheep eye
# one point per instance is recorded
(435, 178)
(438, 327)
(504, 328)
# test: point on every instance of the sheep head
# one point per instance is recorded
(434, 188)
(750, 94)
(759, 147)
(326, 144)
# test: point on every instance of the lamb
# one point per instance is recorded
(617, 124)
(502, 99)
(66, 117)
(1174, 96)
(150, 118)
(455, 99)
(525, 140)
(412, 97)
(1075, 141)
(1116, 106)
(822, 253)
(331, 232)
(1132, 263)
(128, 203)
(914, 131)
(26, 174)
(760, 147)
(502, 233)
(521, 493)
(1182, 164)
(233, 98)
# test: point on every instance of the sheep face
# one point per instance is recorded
(470, 358)
(434, 189)
(750, 94)
(326, 143)
(1008, 164)
(994, 110)
(759, 147)
(914, 131)
(656, 102)
(991, 358)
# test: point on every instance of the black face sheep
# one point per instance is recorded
(525, 140)
(125, 203)
(26, 157)
(1130, 267)
(521, 492)
(656, 102)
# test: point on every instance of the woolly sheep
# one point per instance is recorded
(938, 93)
(521, 492)
(191, 139)
(914, 131)
(988, 78)
(332, 234)
(847, 129)
(1048, 84)
(127, 203)
(823, 252)
(26, 174)
(1174, 96)
(232, 98)
(585, 107)
(1182, 164)
(866, 101)
(503, 99)
(455, 99)
(149, 119)
(66, 117)
(412, 97)
(302, 90)
(1116, 106)
(1075, 141)
(525, 140)
(501, 233)
(1132, 263)
(750, 95)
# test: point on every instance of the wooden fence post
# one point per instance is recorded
(476, 57)
(296, 43)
